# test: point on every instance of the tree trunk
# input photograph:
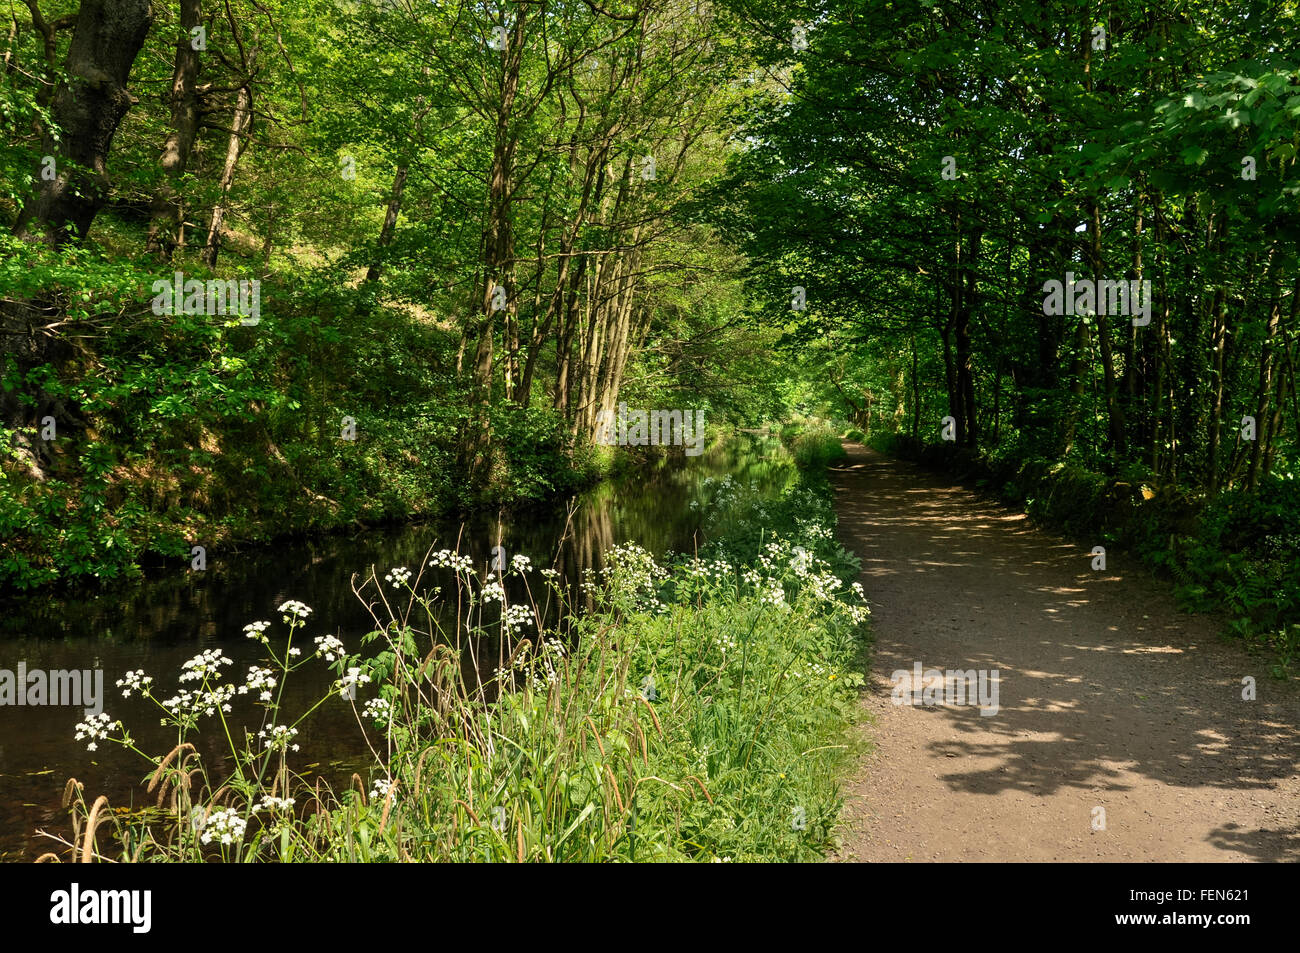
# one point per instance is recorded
(1115, 427)
(1218, 342)
(498, 257)
(165, 213)
(241, 123)
(916, 392)
(1263, 421)
(87, 109)
(390, 221)
(967, 423)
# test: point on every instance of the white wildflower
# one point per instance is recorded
(134, 681)
(398, 577)
(225, 826)
(329, 646)
(207, 662)
(295, 609)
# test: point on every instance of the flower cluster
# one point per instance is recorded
(813, 670)
(716, 571)
(633, 575)
(207, 662)
(225, 826)
(347, 685)
(260, 680)
(448, 559)
(811, 530)
(398, 577)
(257, 630)
(549, 657)
(330, 647)
(377, 709)
(96, 728)
(294, 609)
(270, 803)
(516, 617)
(136, 681)
(774, 595)
(204, 702)
(279, 738)
(381, 789)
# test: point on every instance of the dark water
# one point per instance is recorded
(159, 623)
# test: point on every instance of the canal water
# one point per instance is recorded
(160, 622)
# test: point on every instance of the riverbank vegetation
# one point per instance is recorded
(698, 710)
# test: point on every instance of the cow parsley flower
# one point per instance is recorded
(96, 728)
(270, 803)
(260, 680)
(207, 662)
(347, 685)
(452, 560)
(295, 609)
(134, 681)
(329, 646)
(378, 709)
(225, 826)
(256, 630)
(278, 738)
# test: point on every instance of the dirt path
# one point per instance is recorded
(1109, 697)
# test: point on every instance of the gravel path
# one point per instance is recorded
(1108, 697)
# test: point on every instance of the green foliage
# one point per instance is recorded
(539, 454)
(814, 444)
(222, 430)
(932, 166)
(195, 426)
(1245, 559)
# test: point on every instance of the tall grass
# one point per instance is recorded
(697, 712)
